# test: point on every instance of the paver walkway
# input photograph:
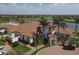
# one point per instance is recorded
(57, 50)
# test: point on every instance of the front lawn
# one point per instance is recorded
(21, 48)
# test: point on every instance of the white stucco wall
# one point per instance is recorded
(25, 38)
(2, 31)
(31, 40)
(15, 39)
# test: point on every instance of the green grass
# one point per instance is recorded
(21, 49)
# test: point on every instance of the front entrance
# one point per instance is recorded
(52, 42)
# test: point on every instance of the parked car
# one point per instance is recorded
(2, 51)
(69, 47)
(75, 45)
(1, 47)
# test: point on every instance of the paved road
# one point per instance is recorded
(57, 50)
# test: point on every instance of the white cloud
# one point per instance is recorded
(50, 8)
(14, 6)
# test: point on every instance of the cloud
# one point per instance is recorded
(15, 6)
(39, 8)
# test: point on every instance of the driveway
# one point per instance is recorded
(9, 50)
(57, 50)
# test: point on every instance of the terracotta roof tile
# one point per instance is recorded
(65, 31)
(29, 28)
(26, 29)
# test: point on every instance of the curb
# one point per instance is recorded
(41, 50)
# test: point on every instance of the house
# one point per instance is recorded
(8, 27)
(22, 32)
(3, 32)
(64, 35)
(25, 32)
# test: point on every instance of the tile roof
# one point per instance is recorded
(29, 28)
(65, 30)
(26, 29)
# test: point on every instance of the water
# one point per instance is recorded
(72, 25)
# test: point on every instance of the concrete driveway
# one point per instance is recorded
(57, 50)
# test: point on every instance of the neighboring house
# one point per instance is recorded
(52, 35)
(12, 37)
(64, 34)
(3, 32)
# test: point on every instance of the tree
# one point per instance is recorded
(43, 22)
(22, 21)
(60, 23)
(75, 39)
(76, 21)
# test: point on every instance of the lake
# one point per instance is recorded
(72, 25)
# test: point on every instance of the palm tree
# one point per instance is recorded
(35, 40)
(60, 23)
(54, 21)
(76, 21)
(43, 22)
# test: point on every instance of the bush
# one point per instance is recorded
(33, 44)
(15, 44)
(37, 41)
(76, 34)
(2, 41)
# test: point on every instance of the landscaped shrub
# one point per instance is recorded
(76, 34)
(15, 44)
(33, 44)
(2, 41)
(37, 41)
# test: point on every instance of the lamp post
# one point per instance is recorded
(35, 42)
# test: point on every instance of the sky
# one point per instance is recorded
(40, 8)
